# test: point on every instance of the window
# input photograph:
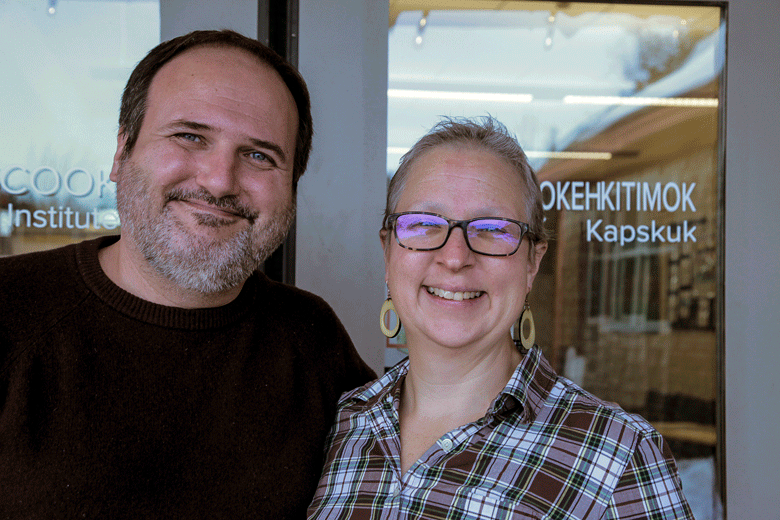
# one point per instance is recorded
(65, 65)
(618, 108)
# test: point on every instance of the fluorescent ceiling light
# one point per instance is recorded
(589, 156)
(641, 101)
(396, 150)
(462, 96)
(571, 99)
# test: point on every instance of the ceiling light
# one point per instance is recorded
(461, 96)
(588, 156)
(641, 101)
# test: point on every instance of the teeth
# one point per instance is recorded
(457, 296)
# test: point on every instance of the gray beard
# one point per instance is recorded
(192, 262)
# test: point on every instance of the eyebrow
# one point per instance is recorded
(259, 143)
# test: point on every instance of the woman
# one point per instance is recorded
(471, 425)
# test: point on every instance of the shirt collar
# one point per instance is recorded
(389, 383)
(528, 387)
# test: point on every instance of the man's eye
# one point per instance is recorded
(188, 137)
(258, 156)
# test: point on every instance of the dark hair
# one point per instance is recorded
(489, 134)
(136, 93)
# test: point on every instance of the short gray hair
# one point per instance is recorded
(485, 132)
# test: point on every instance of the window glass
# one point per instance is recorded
(64, 65)
(618, 109)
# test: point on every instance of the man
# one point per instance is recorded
(158, 375)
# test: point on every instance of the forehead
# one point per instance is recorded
(222, 82)
(456, 175)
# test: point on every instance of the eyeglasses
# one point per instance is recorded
(491, 236)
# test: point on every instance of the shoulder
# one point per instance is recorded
(305, 322)
(590, 411)
(559, 403)
(36, 290)
(33, 282)
(358, 410)
(15, 267)
(604, 427)
(50, 265)
(642, 467)
(368, 395)
(295, 303)
(299, 315)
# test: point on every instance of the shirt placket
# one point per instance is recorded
(386, 428)
(409, 503)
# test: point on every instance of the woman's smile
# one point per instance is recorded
(453, 295)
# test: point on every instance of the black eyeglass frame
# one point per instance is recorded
(391, 219)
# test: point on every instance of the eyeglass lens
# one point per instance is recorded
(489, 236)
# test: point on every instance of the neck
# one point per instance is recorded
(444, 381)
(129, 270)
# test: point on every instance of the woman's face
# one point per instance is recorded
(460, 182)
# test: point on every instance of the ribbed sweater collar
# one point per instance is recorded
(88, 265)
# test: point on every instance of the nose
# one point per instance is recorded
(455, 254)
(218, 173)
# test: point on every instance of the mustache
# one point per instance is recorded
(229, 202)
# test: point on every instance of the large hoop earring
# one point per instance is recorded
(527, 316)
(388, 307)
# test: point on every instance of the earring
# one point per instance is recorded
(388, 307)
(527, 317)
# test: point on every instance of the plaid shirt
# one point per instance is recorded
(545, 449)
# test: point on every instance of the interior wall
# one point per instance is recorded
(179, 17)
(343, 56)
(752, 356)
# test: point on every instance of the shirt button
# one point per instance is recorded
(446, 444)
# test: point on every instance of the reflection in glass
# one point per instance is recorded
(64, 66)
(617, 107)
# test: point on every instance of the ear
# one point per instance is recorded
(540, 248)
(121, 141)
(383, 239)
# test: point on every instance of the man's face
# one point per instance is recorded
(206, 194)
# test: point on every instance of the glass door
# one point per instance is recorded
(64, 65)
(618, 107)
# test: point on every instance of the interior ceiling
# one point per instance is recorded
(699, 18)
(640, 139)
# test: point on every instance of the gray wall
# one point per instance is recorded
(343, 56)
(178, 17)
(753, 260)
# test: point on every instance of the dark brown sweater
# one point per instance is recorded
(114, 407)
